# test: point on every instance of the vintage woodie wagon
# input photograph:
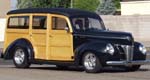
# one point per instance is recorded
(66, 37)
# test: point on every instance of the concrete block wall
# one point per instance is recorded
(138, 25)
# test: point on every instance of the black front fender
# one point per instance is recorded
(138, 55)
(98, 48)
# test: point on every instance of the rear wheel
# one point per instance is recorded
(20, 58)
(91, 63)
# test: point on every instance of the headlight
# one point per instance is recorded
(109, 49)
(142, 49)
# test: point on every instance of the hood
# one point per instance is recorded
(108, 36)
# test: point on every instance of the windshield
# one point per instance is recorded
(87, 24)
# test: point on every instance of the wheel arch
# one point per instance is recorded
(97, 48)
(19, 42)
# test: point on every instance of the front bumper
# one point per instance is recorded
(130, 58)
(127, 63)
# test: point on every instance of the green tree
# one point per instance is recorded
(107, 7)
(43, 3)
(50, 3)
(117, 3)
(24, 4)
(89, 5)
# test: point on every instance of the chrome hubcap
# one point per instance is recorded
(19, 56)
(90, 61)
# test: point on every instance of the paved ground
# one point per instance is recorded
(47, 72)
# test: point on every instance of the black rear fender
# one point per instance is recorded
(8, 54)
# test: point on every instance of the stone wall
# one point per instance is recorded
(5, 6)
(139, 26)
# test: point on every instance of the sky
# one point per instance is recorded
(13, 4)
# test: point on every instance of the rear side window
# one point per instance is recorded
(59, 23)
(19, 22)
(39, 22)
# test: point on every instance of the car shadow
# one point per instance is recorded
(118, 70)
(80, 69)
(75, 69)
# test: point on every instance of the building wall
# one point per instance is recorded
(5, 6)
(138, 25)
(13, 4)
(135, 7)
(133, 0)
(2, 28)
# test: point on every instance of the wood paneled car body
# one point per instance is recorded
(67, 37)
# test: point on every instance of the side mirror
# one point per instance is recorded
(67, 29)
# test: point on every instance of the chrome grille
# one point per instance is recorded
(128, 52)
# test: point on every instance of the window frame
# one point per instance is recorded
(58, 16)
(17, 27)
(45, 22)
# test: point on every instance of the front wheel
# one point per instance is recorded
(91, 63)
(20, 58)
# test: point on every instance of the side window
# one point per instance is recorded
(59, 23)
(79, 23)
(39, 22)
(19, 22)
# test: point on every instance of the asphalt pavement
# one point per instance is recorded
(50, 72)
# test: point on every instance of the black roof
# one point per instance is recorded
(63, 11)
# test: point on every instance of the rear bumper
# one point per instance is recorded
(119, 63)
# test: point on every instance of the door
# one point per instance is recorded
(61, 40)
(38, 35)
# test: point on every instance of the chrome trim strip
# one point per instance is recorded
(129, 53)
(138, 62)
(101, 36)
